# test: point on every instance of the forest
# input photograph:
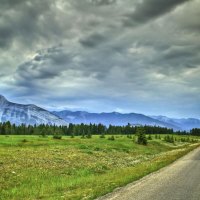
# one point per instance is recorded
(85, 130)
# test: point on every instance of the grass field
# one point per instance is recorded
(33, 167)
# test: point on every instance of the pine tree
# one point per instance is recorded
(141, 137)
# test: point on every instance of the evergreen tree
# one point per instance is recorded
(141, 137)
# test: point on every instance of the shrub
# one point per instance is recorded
(24, 140)
(82, 136)
(111, 138)
(149, 137)
(169, 139)
(58, 137)
(43, 134)
(88, 136)
(129, 136)
(187, 139)
(194, 141)
(102, 136)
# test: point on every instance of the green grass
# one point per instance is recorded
(33, 167)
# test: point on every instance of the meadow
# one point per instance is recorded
(35, 167)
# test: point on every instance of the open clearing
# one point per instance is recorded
(33, 167)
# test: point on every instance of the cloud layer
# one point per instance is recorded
(102, 55)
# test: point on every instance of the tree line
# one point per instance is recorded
(195, 131)
(6, 128)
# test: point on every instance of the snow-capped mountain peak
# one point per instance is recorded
(27, 114)
(3, 100)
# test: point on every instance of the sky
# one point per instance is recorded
(139, 56)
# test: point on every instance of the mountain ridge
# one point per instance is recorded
(27, 114)
(185, 123)
(182, 124)
(113, 118)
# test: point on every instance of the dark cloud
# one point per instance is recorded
(46, 64)
(177, 53)
(103, 2)
(8, 4)
(31, 71)
(93, 40)
(188, 22)
(28, 22)
(5, 36)
(191, 66)
(150, 9)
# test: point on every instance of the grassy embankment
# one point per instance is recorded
(32, 167)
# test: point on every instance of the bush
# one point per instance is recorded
(43, 134)
(24, 140)
(187, 139)
(58, 137)
(129, 136)
(169, 139)
(102, 136)
(194, 141)
(111, 138)
(149, 137)
(88, 136)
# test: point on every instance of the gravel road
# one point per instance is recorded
(178, 181)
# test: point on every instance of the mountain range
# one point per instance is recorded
(32, 114)
(113, 118)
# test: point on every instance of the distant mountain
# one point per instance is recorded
(27, 114)
(113, 118)
(185, 124)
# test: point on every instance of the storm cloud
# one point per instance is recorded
(150, 9)
(102, 55)
(103, 2)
